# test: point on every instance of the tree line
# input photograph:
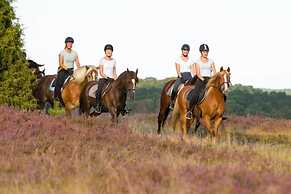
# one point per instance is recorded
(241, 100)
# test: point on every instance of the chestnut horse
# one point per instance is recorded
(72, 89)
(113, 98)
(209, 111)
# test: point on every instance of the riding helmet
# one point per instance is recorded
(185, 47)
(69, 39)
(108, 47)
(204, 47)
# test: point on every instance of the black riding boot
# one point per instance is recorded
(101, 84)
(98, 103)
(174, 92)
(193, 97)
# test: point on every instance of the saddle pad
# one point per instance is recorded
(92, 91)
(52, 85)
(170, 90)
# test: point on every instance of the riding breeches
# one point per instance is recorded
(61, 78)
(101, 84)
(185, 77)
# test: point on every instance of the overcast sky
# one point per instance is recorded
(253, 37)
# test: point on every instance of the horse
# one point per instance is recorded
(114, 96)
(165, 101)
(73, 87)
(43, 94)
(209, 111)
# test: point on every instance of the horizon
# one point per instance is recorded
(252, 37)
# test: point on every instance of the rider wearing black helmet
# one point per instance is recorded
(185, 71)
(107, 70)
(205, 68)
(67, 58)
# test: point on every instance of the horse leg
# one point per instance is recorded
(47, 106)
(183, 125)
(113, 113)
(207, 123)
(217, 124)
(175, 118)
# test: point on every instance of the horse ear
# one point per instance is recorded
(228, 70)
(136, 71)
(221, 68)
(127, 70)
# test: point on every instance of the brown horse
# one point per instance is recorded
(113, 97)
(209, 111)
(72, 89)
(43, 94)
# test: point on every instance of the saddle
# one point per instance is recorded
(53, 84)
(93, 89)
(202, 92)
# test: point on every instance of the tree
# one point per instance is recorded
(16, 80)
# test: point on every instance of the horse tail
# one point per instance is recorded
(82, 100)
(176, 116)
(164, 105)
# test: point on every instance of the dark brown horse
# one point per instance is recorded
(113, 97)
(209, 111)
(43, 94)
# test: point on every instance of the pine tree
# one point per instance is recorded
(16, 79)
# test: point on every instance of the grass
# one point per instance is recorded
(59, 155)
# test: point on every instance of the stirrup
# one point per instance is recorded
(189, 115)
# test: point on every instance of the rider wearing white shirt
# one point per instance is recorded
(185, 70)
(67, 59)
(107, 70)
(205, 68)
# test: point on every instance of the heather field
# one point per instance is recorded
(42, 154)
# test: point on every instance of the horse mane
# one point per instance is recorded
(80, 74)
(124, 74)
(214, 80)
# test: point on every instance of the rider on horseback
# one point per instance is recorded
(185, 71)
(107, 70)
(205, 68)
(67, 58)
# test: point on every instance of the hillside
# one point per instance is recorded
(44, 154)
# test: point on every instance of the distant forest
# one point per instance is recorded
(241, 100)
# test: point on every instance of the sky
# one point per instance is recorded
(252, 37)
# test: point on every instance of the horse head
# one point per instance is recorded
(224, 81)
(129, 80)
